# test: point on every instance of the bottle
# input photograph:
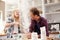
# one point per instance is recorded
(59, 34)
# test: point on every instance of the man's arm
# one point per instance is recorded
(31, 28)
(46, 26)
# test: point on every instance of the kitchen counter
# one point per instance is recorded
(51, 36)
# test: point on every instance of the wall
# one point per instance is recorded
(2, 7)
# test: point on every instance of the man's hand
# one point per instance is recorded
(28, 35)
(39, 36)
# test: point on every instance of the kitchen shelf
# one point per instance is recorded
(53, 13)
(53, 32)
(50, 4)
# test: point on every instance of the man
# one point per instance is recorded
(37, 21)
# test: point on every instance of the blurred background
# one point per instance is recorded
(50, 11)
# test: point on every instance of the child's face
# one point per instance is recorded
(16, 13)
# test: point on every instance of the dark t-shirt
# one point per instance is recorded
(37, 27)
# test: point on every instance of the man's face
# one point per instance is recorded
(32, 16)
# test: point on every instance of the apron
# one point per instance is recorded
(12, 28)
(16, 28)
